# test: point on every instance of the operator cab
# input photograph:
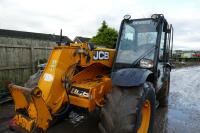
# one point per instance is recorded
(143, 44)
(138, 37)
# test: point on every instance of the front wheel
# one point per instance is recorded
(129, 110)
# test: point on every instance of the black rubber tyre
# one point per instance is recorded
(122, 110)
(163, 94)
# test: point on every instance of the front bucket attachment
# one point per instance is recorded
(31, 111)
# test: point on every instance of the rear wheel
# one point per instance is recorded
(128, 110)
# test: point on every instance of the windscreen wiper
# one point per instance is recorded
(143, 55)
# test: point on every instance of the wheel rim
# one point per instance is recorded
(146, 114)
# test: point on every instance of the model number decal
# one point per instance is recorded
(79, 92)
(101, 55)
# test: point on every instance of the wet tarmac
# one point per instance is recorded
(181, 116)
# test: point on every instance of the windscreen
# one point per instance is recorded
(137, 37)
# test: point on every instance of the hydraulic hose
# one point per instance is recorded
(67, 85)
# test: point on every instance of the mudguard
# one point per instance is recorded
(130, 77)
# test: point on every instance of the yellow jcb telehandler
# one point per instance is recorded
(125, 82)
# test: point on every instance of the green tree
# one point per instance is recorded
(106, 36)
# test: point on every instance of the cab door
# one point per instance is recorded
(163, 57)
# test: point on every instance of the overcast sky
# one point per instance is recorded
(83, 17)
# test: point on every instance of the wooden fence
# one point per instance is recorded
(17, 62)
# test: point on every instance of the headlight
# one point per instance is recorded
(146, 63)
